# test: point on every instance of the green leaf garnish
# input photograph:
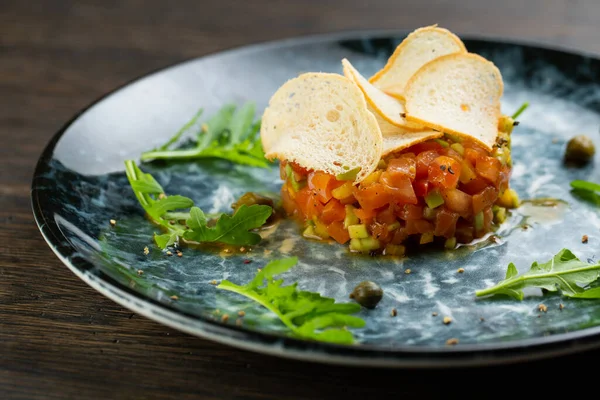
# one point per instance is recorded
(586, 185)
(564, 273)
(308, 315)
(520, 110)
(230, 134)
(585, 190)
(192, 225)
(230, 229)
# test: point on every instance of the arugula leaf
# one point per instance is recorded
(230, 134)
(585, 185)
(564, 273)
(586, 190)
(307, 314)
(151, 197)
(165, 211)
(184, 129)
(231, 229)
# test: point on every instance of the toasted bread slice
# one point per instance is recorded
(385, 106)
(417, 49)
(321, 121)
(394, 143)
(457, 93)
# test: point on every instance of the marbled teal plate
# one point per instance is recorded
(79, 185)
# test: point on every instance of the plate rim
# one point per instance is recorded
(277, 344)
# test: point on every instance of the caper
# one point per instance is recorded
(580, 150)
(367, 294)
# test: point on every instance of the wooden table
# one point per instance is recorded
(59, 339)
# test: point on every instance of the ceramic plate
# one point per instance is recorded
(79, 185)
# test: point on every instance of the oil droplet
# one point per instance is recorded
(543, 210)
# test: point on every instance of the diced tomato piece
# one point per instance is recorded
(418, 226)
(425, 146)
(399, 187)
(458, 201)
(289, 205)
(319, 182)
(300, 172)
(445, 223)
(400, 235)
(301, 199)
(473, 154)
(486, 198)
(372, 197)
(488, 168)
(503, 179)
(421, 187)
(444, 172)
(337, 231)
(380, 232)
(474, 186)
(333, 211)
(404, 166)
(488, 217)
(464, 231)
(348, 200)
(387, 216)
(423, 160)
(308, 203)
(365, 216)
(447, 151)
(410, 211)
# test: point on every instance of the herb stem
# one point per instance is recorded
(181, 131)
(520, 110)
(524, 278)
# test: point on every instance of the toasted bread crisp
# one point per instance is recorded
(458, 94)
(387, 107)
(321, 121)
(392, 144)
(417, 49)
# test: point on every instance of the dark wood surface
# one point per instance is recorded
(59, 339)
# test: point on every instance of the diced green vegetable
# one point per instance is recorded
(479, 221)
(434, 199)
(426, 238)
(441, 142)
(348, 175)
(393, 226)
(394, 250)
(321, 230)
(369, 243)
(351, 218)
(453, 138)
(343, 191)
(289, 172)
(457, 147)
(450, 243)
(429, 213)
(499, 215)
(358, 231)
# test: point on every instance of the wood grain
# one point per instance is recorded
(59, 339)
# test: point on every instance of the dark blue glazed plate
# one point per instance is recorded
(79, 185)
